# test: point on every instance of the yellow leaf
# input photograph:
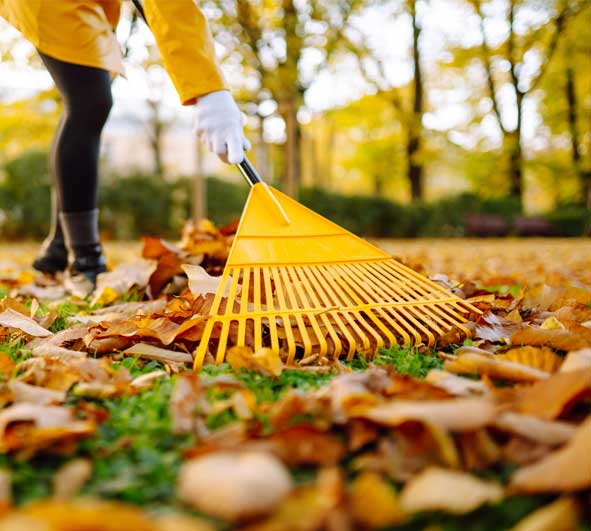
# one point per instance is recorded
(265, 360)
(562, 514)
(538, 358)
(551, 323)
(107, 296)
(25, 277)
(374, 503)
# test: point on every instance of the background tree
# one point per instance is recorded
(408, 101)
(267, 40)
(512, 63)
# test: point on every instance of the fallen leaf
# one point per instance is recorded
(202, 283)
(479, 449)
(539, 430)
(458, 414)
(145, 381)
(565, 470)
(577, 359)
(306, 445)
(183, 403)
(560, 515)
(492, 366)
(450, 491)
(310, 508)
(71, 477)
(373, 502)
(5, 490)
(44, 426)
(556, 339)
(549, 399)
(151, 352)
(232, 485)
(80, 514)
(265, 360)
(33, 394)
(11, 319)
(456, 385)
(111, 285)
(543, 359)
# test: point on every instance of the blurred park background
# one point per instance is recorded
(394, 118)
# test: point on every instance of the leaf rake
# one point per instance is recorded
(303, 286)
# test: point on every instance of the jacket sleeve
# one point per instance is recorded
(186, 45)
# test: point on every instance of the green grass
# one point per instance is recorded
(404, 360)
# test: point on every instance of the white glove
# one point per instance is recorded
(219, 124)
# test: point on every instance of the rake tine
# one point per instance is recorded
(285, 317)
(270, 309)
(244, 306)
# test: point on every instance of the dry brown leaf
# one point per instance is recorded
(232, 485)
(543, 359)
(183, 403)
(71, 477)
(373, 502)
(479, 449)
(7, 365)
(265, 360)
(565, 470)
(549, 399)
(560, 515)
(123, 278)
(145, 381)
(11, 319)
(151, 352)
(437, 489)
(202, 283)
(556, 339)
(577, 359)
(542, 431)
(492, 366)
(554, 297)
(306, 445)
(38, 427)
(459, 414)
(310, 508)
(33, 394)
(5, 490)
(456, 385)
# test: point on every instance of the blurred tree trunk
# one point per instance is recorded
(583, 174)
(415, 126)
(514, 55)
(157, 127)
(270, 38)
(292, 175)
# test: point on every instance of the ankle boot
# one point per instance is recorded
(53, 255)
(82, 241)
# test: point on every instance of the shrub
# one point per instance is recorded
(142, 204)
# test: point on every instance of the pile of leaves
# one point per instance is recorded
(104, 425)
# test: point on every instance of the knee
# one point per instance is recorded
(98, 108)
(91, 111)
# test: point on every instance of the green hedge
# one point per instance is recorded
(140, 204)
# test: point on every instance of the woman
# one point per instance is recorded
(76, 41)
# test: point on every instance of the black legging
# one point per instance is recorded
(86, 92)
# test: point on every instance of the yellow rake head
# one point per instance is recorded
(301, 285)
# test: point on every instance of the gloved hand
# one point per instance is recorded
(219, 124)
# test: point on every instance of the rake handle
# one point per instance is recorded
(249, 173)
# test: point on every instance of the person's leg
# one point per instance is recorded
(53, 256)
(86, 93)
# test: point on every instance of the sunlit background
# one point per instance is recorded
(394, 117)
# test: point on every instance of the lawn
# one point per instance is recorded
(104, 425)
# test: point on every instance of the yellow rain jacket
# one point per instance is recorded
(81, 32)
